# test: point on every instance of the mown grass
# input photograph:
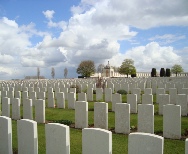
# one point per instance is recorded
(120, 141)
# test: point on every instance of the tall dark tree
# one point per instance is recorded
(65, 72)
(162, 72)
(153, 72)
(53, 72)
(168, 73)
(86, 68)
(38, 73)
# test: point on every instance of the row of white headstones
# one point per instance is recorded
(171, 114)
(94, 140)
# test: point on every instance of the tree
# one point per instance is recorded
(153, 72)
(65, 72)
(133, 73)
(162, 72)
(53, 73)
(38, 73)
(86, 68)
(100, 68)
(127, 67)
(176, 69)
(168, 73)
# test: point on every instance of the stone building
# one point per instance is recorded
(108, 71)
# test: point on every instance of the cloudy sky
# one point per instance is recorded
(61, 33)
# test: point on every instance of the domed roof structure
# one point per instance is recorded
(107, 66)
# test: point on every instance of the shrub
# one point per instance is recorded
(94, 91)
(133, 75)
(123, 92)
(65, 122)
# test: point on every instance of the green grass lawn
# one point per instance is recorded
(120, 141)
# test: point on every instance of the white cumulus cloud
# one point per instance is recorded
(153, 56)
(5, 59)
(49, 14)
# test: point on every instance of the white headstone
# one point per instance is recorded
(158, 92)
(5, 135)
(163, 99)
(27, 136)
(137, 91)
(146, 118)
(81, 114)
(142, 85)
(51, 100)
(57, 138)
(111, 86)
(116, 98)
(101, 115)
(148, 91)
(145, 143)
(173, 95)
(11, 96)
(71, 100)
(18, 95)
(82, 97)
(60, 100)
(182, 101)
(16, 109)
(6, 106)
(25, 95)
(41, 95)
(132, 100)
(65, 91)
(132, 86)
(32, 95)
(154, 87)
(172, 121)
(148, 84)
(96, 141)
(90, 94)
(117, 86)
(122, 118)
(27, 109)
(99, 94)
(57, 89)
(40, 111)
(72, 90)
(25, 89)
(184, 91)
(147, 99)
(50, 90)
(125, 86)
(108, 94)
(37, 90)
(4, 94)
(186, 146)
